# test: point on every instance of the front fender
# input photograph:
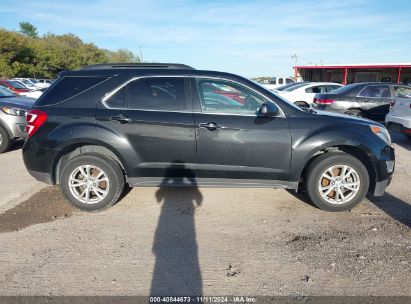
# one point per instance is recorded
(307, 144)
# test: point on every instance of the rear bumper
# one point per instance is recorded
(403, 121)
(42, 177)
(329, 108)
(40, 161)
(398, 124)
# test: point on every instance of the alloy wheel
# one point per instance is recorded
(89, 184)
(339, 184)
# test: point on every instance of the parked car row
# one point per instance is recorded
(379, 101)
(26, 86)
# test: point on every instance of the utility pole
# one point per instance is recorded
(141, 53)
(295, 58)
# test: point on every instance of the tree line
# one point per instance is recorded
(25, 54)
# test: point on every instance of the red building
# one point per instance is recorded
(350, 73)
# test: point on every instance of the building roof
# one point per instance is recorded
(355, 66)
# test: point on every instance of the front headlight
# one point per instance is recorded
(382, 133)
(14, 111)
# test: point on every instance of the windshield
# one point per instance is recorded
(286, 86)
(295, 87)
(4, 92)
(15, 84)
(33, 80)
(25, 81)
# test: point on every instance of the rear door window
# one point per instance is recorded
(151, 93)
(68, 87)
(375, 91)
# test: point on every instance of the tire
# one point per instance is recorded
(355, 112)
(302, 104)
(314, 180)
(108, 190)
(4, 140)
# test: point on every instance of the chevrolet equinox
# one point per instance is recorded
(104, 126)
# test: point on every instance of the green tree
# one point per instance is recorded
(122, 56)
(28, 29)
(23, 54)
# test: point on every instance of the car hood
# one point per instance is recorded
(345, 117)
(25, 103)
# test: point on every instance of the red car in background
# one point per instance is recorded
(14, 86)
(226, 91)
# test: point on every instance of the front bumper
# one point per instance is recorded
(14, 125)
(380, 187)
(384, 166)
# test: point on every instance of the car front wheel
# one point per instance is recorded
(336, 181)
(91, 181)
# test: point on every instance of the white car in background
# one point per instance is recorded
(49, 81)
(276, 82)
(36, 93)
(25, 83)
(303, 94)
(398, 118)
(33, 82)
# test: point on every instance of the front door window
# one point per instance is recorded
(220, 96)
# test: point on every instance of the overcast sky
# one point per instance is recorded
(251, 38)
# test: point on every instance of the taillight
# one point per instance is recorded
(392, 103)
(323, 101)
(35, 120)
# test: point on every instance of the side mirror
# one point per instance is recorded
(268, 109)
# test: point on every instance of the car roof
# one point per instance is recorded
(137, 66)
(148, 70)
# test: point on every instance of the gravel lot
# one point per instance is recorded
(205, 241)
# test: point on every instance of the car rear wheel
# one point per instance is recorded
(4, 140)
(92, 181)
(336, 181)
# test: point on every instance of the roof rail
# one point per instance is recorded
(137, 66)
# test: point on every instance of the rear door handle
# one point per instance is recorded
(123, 119)
(209, 125)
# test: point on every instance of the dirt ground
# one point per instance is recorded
(210, 242)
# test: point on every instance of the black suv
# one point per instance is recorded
(103, 126)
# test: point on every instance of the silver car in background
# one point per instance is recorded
(13, 109)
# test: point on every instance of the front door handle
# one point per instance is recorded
(123, 119)
(209, 125)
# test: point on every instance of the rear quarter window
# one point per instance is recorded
(68, 87)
